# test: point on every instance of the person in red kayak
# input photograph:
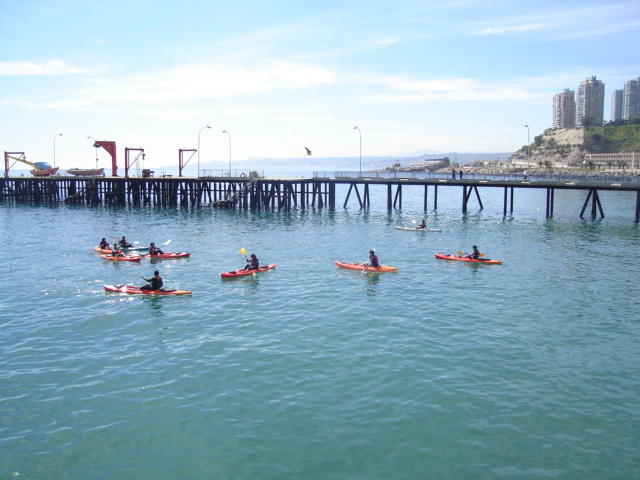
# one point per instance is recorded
(155, 283)
(104, 245)
(115, 251)
(153, 250)
(373, 260)
(254, 264)
(475, 254)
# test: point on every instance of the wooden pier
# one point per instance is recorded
(286, 194)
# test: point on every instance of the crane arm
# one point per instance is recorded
(24, 161)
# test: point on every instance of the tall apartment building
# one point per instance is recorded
(630, 99)
(616, 106)
(564, 109)
(590, 101)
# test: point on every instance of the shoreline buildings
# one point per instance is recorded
(564, 109)
(590, 104)
(569, 112)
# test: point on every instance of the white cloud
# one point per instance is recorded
(200, 82)
(45, 67)
(527, 27)
(404, 90)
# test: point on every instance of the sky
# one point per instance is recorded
(282, 75)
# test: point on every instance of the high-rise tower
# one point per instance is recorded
(590, 101)
(564, 109)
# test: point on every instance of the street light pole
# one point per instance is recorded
(54, 148)
(528, 142)
(224, 131)
(94, 145)
(206, 126)
(356, 128)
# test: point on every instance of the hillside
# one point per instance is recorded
(567, 146)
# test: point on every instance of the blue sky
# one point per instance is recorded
(452, 76)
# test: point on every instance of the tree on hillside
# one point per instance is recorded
(635, 120)
(588, 122)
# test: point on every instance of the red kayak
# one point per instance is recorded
(130, 249)
(244, 273)
(136, 290)
(360, 266)
(168, 255)
(470, 260)
(123, 258)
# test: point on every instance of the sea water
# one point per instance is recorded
(443, 370)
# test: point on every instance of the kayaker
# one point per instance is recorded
(422, 226)
(254, 264)
(104, 245)
(475, 254)
(153, 250)
(115, 250)
(155, 283)
(373, 260)
(123, 243)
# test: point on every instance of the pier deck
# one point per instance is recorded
(287, 194)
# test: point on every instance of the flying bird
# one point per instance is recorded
(308, 151)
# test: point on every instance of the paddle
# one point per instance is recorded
(166, 243)
(464, 254)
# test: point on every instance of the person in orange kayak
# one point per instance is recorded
(104, 245)
(475, 254)
(254, 264)
(373, 260)
(153, 250)
(155, 282)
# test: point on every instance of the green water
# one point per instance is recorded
(442, 370)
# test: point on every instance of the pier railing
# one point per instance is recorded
(564, 177)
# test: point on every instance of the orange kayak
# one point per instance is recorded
(469, 260)
(359, 266)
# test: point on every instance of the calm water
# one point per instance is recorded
(442, 371)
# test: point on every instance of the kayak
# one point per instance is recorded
(168, 255)
(128, 249)
(420, 229)
(136, 290)
(470, 260)
(244, 273)
(359, 266)
(125, 258)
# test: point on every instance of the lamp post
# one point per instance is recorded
(528, 142)
(356, 128)
(224, 131)
(96, 147)
(206, 126)
(54, 148)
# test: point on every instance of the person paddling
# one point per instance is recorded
(373, 260)
(422, 226)
(153, 250)
(123, 243)
(155, 283)
(115, 251)
(475, 254)
(254, 263)
(104, 245)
